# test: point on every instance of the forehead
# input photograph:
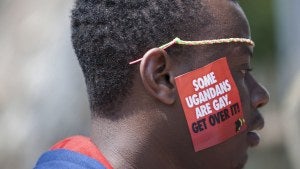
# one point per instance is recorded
(228, 20)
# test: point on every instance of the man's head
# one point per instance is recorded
(139, 104)
(108, 34)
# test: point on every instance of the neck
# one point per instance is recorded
(134, 142)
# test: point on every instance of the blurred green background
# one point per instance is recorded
(262, 22)
(270, 23)
(43, 97)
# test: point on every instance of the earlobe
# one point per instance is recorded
(157, 76)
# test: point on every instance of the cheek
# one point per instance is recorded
(228, 154)
(244, 94)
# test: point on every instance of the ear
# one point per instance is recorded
(155, 70)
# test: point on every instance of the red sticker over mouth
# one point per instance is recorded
(211, 104)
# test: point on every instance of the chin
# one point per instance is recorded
(241, 164)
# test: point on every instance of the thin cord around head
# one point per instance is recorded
(202, 42)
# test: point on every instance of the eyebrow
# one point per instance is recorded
(248, 50)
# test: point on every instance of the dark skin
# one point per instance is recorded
(153, 133)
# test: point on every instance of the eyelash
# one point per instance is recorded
(244, 71)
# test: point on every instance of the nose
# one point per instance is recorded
(259, 94)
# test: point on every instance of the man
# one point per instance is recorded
(186, 104)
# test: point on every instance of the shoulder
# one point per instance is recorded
(76, 152)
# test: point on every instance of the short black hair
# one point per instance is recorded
(108, 34)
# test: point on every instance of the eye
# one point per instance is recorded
(245, 71)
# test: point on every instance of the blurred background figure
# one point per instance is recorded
(288, 43)
(43, 96)
(42, 92)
